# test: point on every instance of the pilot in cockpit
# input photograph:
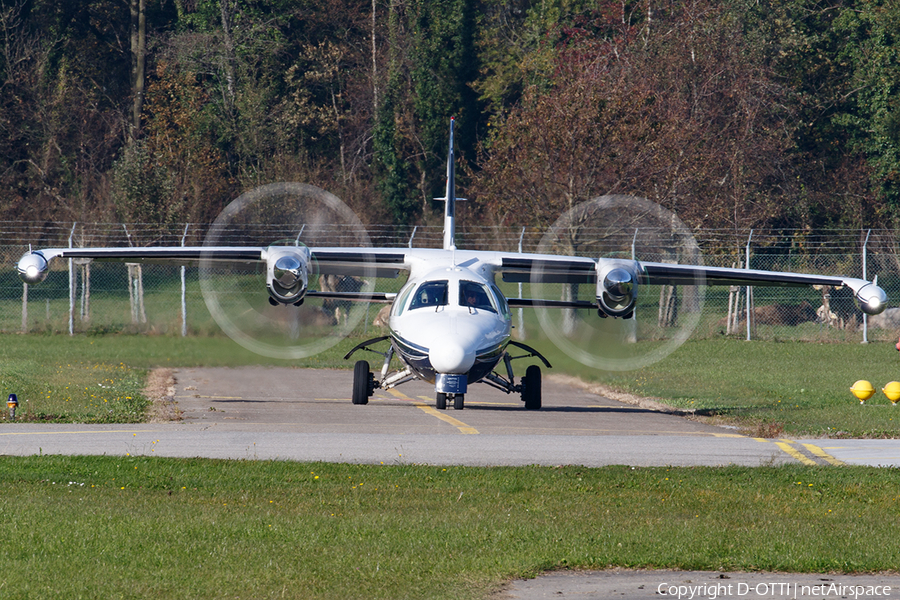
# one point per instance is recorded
(473, 295)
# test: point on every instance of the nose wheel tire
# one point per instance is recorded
(363, 382)
(531, 388)
(440, 401)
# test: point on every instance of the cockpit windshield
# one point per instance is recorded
(430, 294)
(475, 295)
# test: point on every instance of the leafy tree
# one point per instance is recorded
(142, 187)
(685, 117)
(444, 65)
(872, 49)
(392, 171)
(432, 64)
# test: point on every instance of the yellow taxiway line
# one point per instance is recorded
(462, 427)
(824, 455)
(795, 453)
(73, 431)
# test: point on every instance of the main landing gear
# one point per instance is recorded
(363, 382)
(529, 386)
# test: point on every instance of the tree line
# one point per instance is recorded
(732, 113)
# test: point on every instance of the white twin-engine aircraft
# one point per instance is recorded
(450, 324)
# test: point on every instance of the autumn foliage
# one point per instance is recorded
(733, 115)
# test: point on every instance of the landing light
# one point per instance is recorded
(12, 402)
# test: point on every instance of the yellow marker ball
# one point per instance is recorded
(892, 391)
(863, 390)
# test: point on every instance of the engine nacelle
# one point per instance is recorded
(617, 284)
(33, 268)
(871, 299)
(287, 274)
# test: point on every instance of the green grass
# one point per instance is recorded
(138, 527)
(799, 388)
(100, 378)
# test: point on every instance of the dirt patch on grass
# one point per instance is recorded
(160, 390)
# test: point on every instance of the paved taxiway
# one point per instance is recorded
(304, 414)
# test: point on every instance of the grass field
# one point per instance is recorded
(770, 388)
(148, 527)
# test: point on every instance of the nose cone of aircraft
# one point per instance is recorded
(451, 357)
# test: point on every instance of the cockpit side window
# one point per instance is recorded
(475, 295)
(400, 303)
(501, 300)
(430, 294)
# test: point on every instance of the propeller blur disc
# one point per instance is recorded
(624, 227)
(283, 214)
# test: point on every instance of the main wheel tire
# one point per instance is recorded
(361, 377)
(531, 388)
(459, 401)
(440, 401)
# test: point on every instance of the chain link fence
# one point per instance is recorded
(97, 297)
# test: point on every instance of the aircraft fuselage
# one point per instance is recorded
(450, 326)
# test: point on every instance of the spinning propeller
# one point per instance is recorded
(286, 323)
(617, 229)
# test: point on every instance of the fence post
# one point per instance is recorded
(631, 324)
(135, 288)
(749, 288)
(72, 286)
(865, 339)
(24, 307)
(520, 319)
(183, 292)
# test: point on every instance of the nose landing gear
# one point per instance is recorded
(442, 398)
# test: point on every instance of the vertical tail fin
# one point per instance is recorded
(450, 198)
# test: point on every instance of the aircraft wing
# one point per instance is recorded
(669, 274)
(377, 262)
(162, 254)
(617, 279)
(288, 267)
(337, 261)
(542, 268)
